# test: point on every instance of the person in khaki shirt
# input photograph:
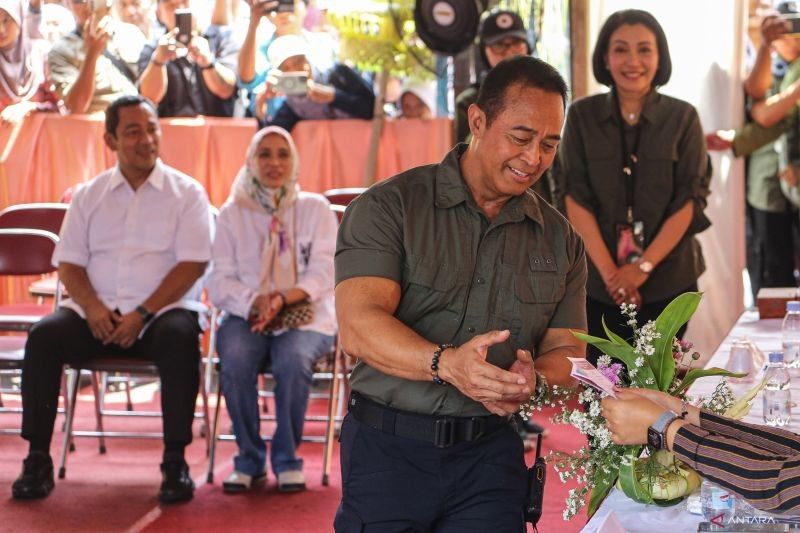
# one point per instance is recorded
(457, 288)
(97, 63)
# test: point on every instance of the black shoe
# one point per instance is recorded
(36, 479)
(176, 486)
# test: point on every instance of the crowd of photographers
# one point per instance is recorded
(275, 60)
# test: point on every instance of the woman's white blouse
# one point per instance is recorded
(241, 233)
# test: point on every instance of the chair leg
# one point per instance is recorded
(262, 385)
(73, 396)
(98, 409)
(206, 418)
(129, 402)
(333, 404)
(213, 434)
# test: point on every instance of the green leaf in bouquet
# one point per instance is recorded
(672, 318)
(623, 352)
(628, 480)
(602, 486)
(697, 373)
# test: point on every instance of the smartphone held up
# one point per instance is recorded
(183, 21)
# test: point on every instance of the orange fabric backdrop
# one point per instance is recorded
(48, 153)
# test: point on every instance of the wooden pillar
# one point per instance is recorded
(579, 47)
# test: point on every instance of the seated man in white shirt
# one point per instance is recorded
(135, 242)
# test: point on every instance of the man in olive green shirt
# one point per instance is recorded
(449, 277)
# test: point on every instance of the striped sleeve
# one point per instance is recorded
(768, 480)
(775, 440)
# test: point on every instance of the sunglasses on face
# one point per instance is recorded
(506, 44)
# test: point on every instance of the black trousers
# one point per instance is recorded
(770, 249)
(393, 484)
(595, 311)
(171, 342)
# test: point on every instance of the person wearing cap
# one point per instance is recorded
(196, 78)
(418, 100)
(337, 93)
(458, 289)
(756, 462)
(772, 146)
(501, 34)
(267, 24)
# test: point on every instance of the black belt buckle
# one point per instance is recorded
(444, 432)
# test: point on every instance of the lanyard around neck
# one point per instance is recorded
(629, 159)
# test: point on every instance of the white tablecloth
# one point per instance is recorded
(636, 517)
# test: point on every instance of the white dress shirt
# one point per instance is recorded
(240, 235)
(129, 240)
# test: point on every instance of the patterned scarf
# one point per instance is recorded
(278, 262)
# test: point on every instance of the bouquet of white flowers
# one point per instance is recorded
(656, 359)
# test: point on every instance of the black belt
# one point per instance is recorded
(442, 431)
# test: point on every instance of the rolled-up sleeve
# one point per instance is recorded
(317, 279)
(370, 239)
(691, 181)
(570, 173)
(571, 310)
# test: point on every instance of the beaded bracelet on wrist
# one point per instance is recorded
(435, 363)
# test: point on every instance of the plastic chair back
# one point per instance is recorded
(26, 252)
(343, 196)
(43, 216)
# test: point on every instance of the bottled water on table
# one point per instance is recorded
(791, 335)
(718, 504)
(777, 393)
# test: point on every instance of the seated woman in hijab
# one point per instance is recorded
(23, 82)
(273, 253)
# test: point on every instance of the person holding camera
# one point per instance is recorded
(634, 171)
(97, 63)
(458, 289)
(310, 94)
(273, 257)
(188, 73)
(772, 146)
(285, 18)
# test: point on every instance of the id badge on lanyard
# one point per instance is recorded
(630, 232)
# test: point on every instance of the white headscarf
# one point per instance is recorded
(278, 264)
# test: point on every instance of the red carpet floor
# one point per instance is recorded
(117, 491)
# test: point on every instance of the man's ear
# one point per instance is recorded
(476, 119)
(111, 141)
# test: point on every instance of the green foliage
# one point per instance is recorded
(370, 40)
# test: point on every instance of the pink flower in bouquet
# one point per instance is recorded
(611, 372)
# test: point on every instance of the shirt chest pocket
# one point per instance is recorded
(430, 288)
(542, 284)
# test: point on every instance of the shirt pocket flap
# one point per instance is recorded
(545, 262)
(538, 288)
(439, 278)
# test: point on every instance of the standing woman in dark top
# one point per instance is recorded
(633, 168)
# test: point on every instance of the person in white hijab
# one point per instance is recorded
(273, 250)
(23, 85)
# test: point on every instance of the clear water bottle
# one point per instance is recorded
(791, 335)
(777, 393)
(718, 504)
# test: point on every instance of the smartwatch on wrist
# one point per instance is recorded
(146, 315)
(657, 433)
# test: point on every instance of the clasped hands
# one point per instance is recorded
(111, 327)
(500, 391)
(264, 310)
(623, 284)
